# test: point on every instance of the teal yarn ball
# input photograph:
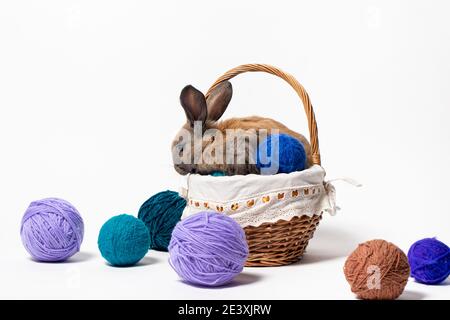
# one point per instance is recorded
(218, 174)
(160, 213)
(123, 240)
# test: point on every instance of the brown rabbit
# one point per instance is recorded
(205, 145)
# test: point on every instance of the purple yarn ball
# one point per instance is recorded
(208, 249)
(429, 259)
(52, 230)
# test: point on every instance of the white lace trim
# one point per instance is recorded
(267, 207)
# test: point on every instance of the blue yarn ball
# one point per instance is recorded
(123, 240)
(218, 174)
(429, 259)
(160, 213)
(288, 155)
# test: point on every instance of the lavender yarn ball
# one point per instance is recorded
(429, 259)
(52, 230)
(208, 249)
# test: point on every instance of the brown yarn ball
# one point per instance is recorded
(377, 270)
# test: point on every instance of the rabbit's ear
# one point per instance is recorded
(194, 104)
(218, 100)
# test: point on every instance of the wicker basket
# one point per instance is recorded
(282, 242)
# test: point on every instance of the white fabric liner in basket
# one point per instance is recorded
(256, 199)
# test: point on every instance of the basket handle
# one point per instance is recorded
(312, 124)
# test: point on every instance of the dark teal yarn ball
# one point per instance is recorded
(218, 174)
(123, 240)
(160, 214)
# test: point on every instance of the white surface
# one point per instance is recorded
(87, 276)
(89, 105)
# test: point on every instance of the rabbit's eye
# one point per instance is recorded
(213, 138)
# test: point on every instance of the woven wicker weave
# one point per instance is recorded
(283, 242)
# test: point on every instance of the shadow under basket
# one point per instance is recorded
(280, 243)
(279, 213)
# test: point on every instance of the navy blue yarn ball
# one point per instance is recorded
(123, 240)
(429, 259)
(280, 153)
(160, 213)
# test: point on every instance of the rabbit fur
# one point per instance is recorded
(213, 136)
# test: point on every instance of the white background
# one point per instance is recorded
(89, 105)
